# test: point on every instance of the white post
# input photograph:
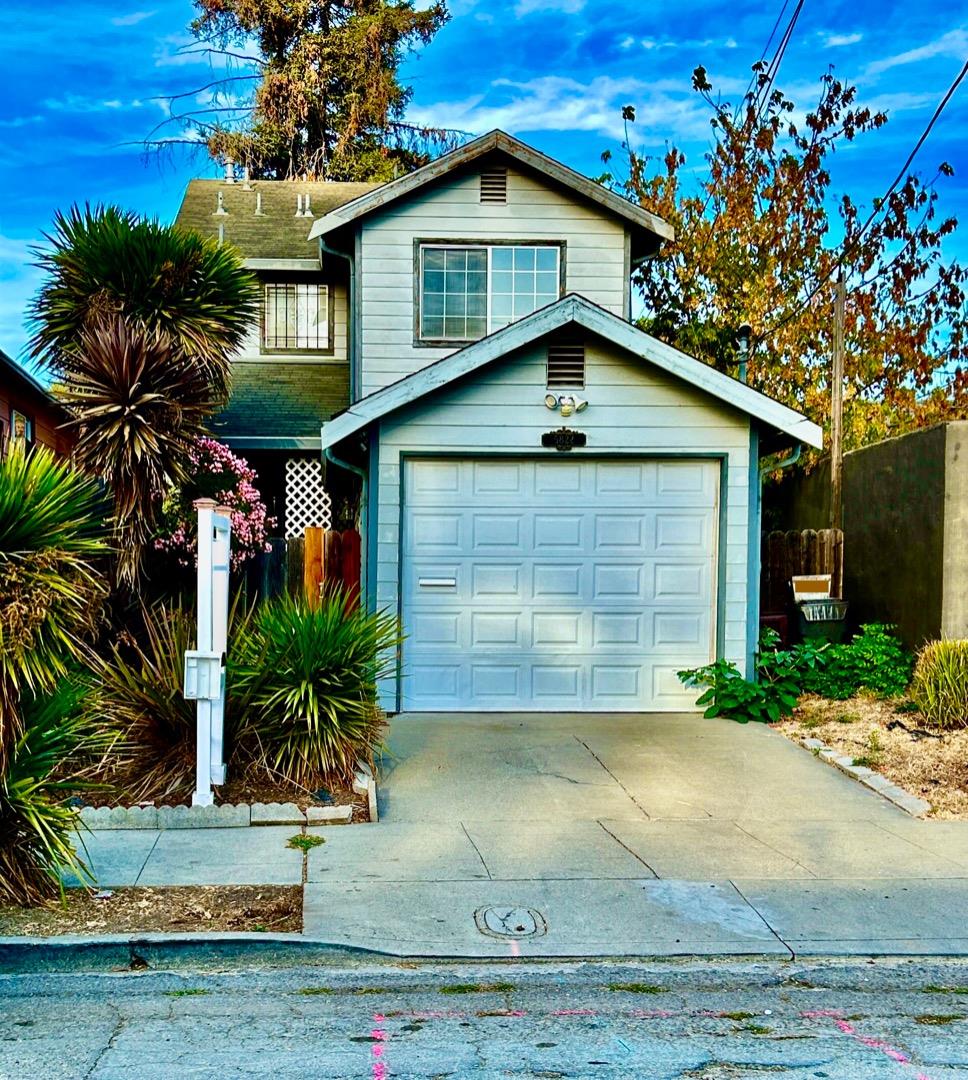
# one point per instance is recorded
(221, 553)
(203, 706)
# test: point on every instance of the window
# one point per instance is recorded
(296, 316)
(469, 292)
(21, 428)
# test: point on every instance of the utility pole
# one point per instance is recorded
(837, 409)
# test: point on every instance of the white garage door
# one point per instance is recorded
(557, 584)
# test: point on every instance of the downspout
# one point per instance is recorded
(351, 329)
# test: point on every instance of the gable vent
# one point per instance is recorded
(494, 186)
(566, 365)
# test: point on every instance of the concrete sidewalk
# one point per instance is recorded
(615, 835)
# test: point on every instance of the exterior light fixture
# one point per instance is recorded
(568, 403)
(551, 401)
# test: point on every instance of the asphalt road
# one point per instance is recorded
(703, 1021)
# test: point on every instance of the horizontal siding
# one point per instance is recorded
(594, 259)
(634, 408)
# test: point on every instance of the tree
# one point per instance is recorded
(138, 322)
(756, 242)
(327, 101)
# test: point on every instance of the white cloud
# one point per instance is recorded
(837, 41)
(627, 42)
(650, 44)
(664, 108)
(567, 7)
(133, 19)
(954, 43)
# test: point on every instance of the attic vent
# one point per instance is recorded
(566, 365)
(494, 186)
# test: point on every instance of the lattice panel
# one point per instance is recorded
(308, 504)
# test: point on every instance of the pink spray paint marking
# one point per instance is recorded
(379, 1069)
(574, 1012)
(848, 1028)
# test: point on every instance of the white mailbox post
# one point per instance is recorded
(205, 665)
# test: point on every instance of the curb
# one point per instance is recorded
(158, 951)
(902, 799)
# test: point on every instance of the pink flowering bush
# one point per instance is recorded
(216, 473)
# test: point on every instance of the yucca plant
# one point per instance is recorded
(49, 760)
(304, 679)
(139, 403)
(138, 321)
(940, 684)
(104, 261)
(50, 590)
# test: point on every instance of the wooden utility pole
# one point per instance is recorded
(837, 409)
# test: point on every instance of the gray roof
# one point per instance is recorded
(279, 400)
(275, 234)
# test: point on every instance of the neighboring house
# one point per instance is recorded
(563, 510)
(28, 412)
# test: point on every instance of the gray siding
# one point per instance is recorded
(595, 259)
(634, 409)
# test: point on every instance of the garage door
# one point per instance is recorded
(557, 584)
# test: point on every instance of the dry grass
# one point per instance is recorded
(266, 908)
(927, 763)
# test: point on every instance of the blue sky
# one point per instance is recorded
(85, 83)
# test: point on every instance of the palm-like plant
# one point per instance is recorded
(49, 590)
(109, 262)
(139, 402)
(304, 679)
(49, 759)
(139, 321)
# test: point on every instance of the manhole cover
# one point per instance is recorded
(510, 922)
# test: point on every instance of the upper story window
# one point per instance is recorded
(469, 291)
(296, 317)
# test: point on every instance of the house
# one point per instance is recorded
(29, 414)
(563, 510)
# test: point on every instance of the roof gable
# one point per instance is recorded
(497, 142)
(577, 310)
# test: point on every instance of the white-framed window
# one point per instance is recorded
(470, 290)
(296, 316)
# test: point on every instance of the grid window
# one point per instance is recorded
(296, 316)
(468, 292)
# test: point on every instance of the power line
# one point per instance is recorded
(878, 204)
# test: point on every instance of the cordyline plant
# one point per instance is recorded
(758, 242)
(138, 322)
(139, 402)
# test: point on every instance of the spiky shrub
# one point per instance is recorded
(50, 758)
(107, 262)
(139, 403)
(305, 678)
(214, 472)
(50, 589)
(140, 695)
(940, 684)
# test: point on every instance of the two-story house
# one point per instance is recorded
(563, 510)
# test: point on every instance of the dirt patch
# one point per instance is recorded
(262, 908)
(895, 742)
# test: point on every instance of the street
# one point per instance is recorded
(707, 1020)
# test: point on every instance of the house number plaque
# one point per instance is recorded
(563, 439)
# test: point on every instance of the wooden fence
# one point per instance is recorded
(308, 565)
(784, 554)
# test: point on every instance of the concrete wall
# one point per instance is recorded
(905, 529)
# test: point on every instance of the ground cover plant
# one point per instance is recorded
(940, 684)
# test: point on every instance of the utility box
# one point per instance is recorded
(203, 675)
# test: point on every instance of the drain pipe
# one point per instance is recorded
(332, 459)
(351, 328)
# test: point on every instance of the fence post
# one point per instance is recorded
(313, 563)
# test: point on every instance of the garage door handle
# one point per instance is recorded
(437, 582)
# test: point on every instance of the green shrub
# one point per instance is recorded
(305, 678)
(874, 660)
(49, 760)
(940, 684)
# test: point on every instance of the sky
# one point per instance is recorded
(85, 83)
